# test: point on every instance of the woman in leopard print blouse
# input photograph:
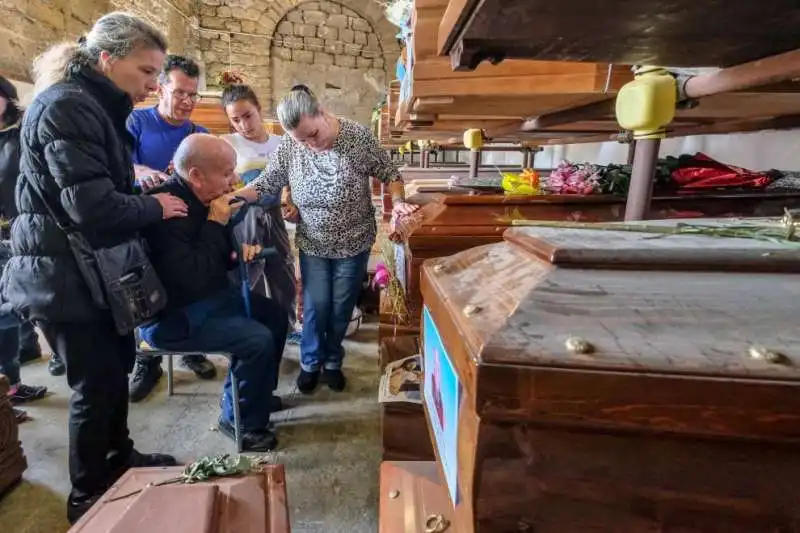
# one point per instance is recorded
(327, 162)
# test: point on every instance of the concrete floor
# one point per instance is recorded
(329, 443)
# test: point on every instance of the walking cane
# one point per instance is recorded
(245, 287)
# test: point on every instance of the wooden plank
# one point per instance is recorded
(587, 248)
(633, 32)
(410, 492)
(403, 428)
(439, 68)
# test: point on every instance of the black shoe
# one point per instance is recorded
(252, 441)
(145, 378)
(56, 365)
(77, 508)
(20, 416)
(27, 393)
(275, 404)
(200, 365)
(334, 379)
(139, 460)
(30, 354)
(149, 460)
(307, 381)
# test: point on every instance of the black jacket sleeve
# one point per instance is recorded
(75, 154)
(9, 171)
(190, 263)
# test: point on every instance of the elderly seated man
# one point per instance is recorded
(204, 312)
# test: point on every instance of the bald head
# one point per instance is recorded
(208, 164)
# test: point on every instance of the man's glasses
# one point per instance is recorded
(182, 95)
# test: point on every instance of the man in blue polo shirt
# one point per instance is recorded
(158, 131)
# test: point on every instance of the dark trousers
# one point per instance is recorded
(330, 292)
(98, 362)
(28, 340)
(220, 324)
(9, 353)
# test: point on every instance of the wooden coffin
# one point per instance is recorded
(255, 503)
(413, 497)
(404, 432)
(681, 33)
(595, 381)
(447, 224)
(12, 459)
(440, 103)
(209, 113)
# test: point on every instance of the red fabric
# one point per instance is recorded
(707, 173)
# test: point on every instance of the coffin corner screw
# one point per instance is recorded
(438, 267)
(579, 346)
(472, 310)
(394, 494)
(761, 353)
(436, 523)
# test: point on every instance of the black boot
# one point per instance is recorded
(307, 381)
(29, 349)
(200, 365)
(252, 441)
(146, 374)
(334, 379)
(56, 365)
(77, 508)
(29, 353)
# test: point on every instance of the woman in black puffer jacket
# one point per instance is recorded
(76, 154)
(10, 118)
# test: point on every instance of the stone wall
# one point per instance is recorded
(345, 50)
(347, 45)
(30, 26)
(176, 18)
(334, 51)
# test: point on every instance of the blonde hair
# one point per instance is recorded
(117, 33)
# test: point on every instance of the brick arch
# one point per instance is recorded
(253, 25)
(318, 42)
(370, 10)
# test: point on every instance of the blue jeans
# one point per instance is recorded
(220, 324)
(330, 292)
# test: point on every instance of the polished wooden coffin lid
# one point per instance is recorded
(254, 503)
(606, 326)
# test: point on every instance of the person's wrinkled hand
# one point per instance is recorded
(171, 206)
(290, 213)
(401, 209)
(250, 251)
(151, 181)
(221, 210)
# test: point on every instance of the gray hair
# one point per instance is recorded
(296, 105)
(117, 33)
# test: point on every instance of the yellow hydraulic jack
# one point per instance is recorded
(646, 106)
(473, 139)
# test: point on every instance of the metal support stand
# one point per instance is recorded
(631, 151)
(642, 178)
(474, 163)
(424, 159)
